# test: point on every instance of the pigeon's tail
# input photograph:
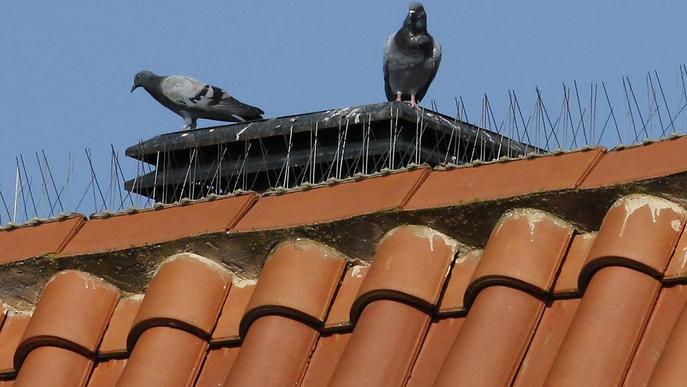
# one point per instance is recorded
(237, 108)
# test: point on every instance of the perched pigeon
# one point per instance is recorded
(193, 99)
(411, 58)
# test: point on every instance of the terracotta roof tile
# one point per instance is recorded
(670, 369)
(106, 374)
(436, 346)
(114, 340)
(187, 292)
(546, 343)
(217, 366)
(677, 267)
(12, 331)
(260, 364)
(73, 312)
(164, 356)
(501, 180)
(411, 264)
(125, 231)
(227, 329)
(53, 366)
(657, 333)
(340, 314)
(325, 204)
(383, 346)
(37, 240)
(638, 231)
(284, 289)
(324, 359)
(538, 241)
(525, 321)
(575, 258)
(640, 162)
(463, 269)
(493, 338)
(606, 329)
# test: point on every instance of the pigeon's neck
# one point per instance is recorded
(409, 40)
(152, 85)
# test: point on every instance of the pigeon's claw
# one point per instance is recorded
(413, 102)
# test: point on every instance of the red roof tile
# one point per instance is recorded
(324, 359)
(218, 364)
(536, 239)
(187, 293)
(12, 331)
(227, 329)
(325, 204)
(114, 340)
(340, 314)
(677, 267)
(383, 346)
(567, 283)
(606, 329)
(671, 369)
(639, 231)
(493, 338)
(164, 356)
(284, 289)
(73, 312)
(436, 346)
(106, 374)
(37, 240)
(53, 366)
(525, 321)
(657, 333)
(156, 226)
(463, 269)
(411, 264)
(259, 363)
(640, 162)
(502, 180)
(546, 343)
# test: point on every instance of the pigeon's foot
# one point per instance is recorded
(398, 97)
(413, 102)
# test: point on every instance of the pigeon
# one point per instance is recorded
(411, 58)
(193, 99)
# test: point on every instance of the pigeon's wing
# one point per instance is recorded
(184, 91)
(212, 100)
(434, 61)
(388, 47)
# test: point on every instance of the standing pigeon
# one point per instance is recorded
(193, 99)
(411, 58)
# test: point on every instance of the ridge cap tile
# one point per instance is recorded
(411, 264)
(121, 232)
(639, 231)
(284, 288)
(536, 239)
(445, 188)
(186, 292)
(35, 240)
(643, 161)
(73, 312)
(329, 203)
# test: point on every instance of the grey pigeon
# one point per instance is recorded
(411, 58)
(193, 99)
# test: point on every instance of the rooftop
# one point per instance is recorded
(560, 269)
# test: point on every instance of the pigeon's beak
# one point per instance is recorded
(134, 87)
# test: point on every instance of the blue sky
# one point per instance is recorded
(66, 67)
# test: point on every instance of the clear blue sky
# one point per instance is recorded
(66, 67)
